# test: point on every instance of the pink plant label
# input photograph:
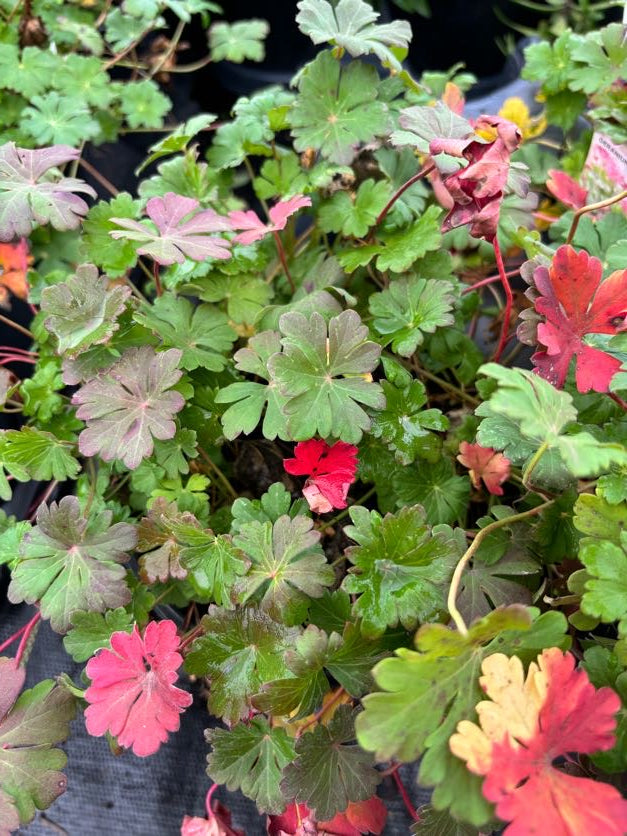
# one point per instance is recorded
(605, 171)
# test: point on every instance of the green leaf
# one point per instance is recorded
(420, 125)
(408, 309)
(11, 540)
(114, 257)
(440, 823)
(274, 503)
(245, 296)
(178, 140)
(92, 630)
(605, 670)
(84, 78)
(602, 59)
(240, 651)
(337, 108)
(348, 658)
(401, 569)
(53, 119)
(30, 763)
(538, 413)
(214, 562)
(34, 454)
(83, 310)
(486, 586)
(201, 332)
(238, 42)
(29, 72)
(354, 214)
(325, 378)
(550, 64)
(330, 770)
(288, 567)
(351, 25)
(69, 562)
(425, 693)
(248, 398)
(404, 425)
(605, 595)
(399, 250)
(39, 393)
(251, 758)
(436, 487)
(173, 454)
(143, 104)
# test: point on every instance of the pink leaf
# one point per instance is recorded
(254, 227)
(177, 238)
(132, 694)
(566, 190)
(484, 463)
(331, 471)
(574, 302)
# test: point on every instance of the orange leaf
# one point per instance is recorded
(484, 463)
(14, 261)
(525, 727)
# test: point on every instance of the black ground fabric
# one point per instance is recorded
(131, 796)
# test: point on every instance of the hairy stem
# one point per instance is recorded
(533, 461)
(25, 637)
(592, 207)
(471, 551)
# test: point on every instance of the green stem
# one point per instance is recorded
(214, 467)
(345, 511)
(170, 50)
(471, 551)
(533, 461)
(448, 386)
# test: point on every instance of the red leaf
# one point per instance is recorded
(254, 227)
(478, 189)
(566, 190)
(331, 470)
(14, 261)
(217, 823)
(484, 463)
(132, 694)
(360, 817)
(529, 725)
(574, 303)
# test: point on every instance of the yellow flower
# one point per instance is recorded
(517, 112)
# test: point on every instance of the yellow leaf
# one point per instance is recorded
(511, 712)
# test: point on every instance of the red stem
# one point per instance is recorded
(190, 637)
(12, 638)
(509, 299)
(619, 401)
(33, 309)
(211, 791)
(281, 252)
(489, 280)
(16, 358)
(44, 498)
(15, 350)
(422, 173)
(406, 799)
(24, 641)
(155, 273)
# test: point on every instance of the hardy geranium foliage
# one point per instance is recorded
(330, 471)
(575, 302)
(287, 449)
(524, 728)
(132, 693)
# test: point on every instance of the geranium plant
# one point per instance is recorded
(285, 392)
